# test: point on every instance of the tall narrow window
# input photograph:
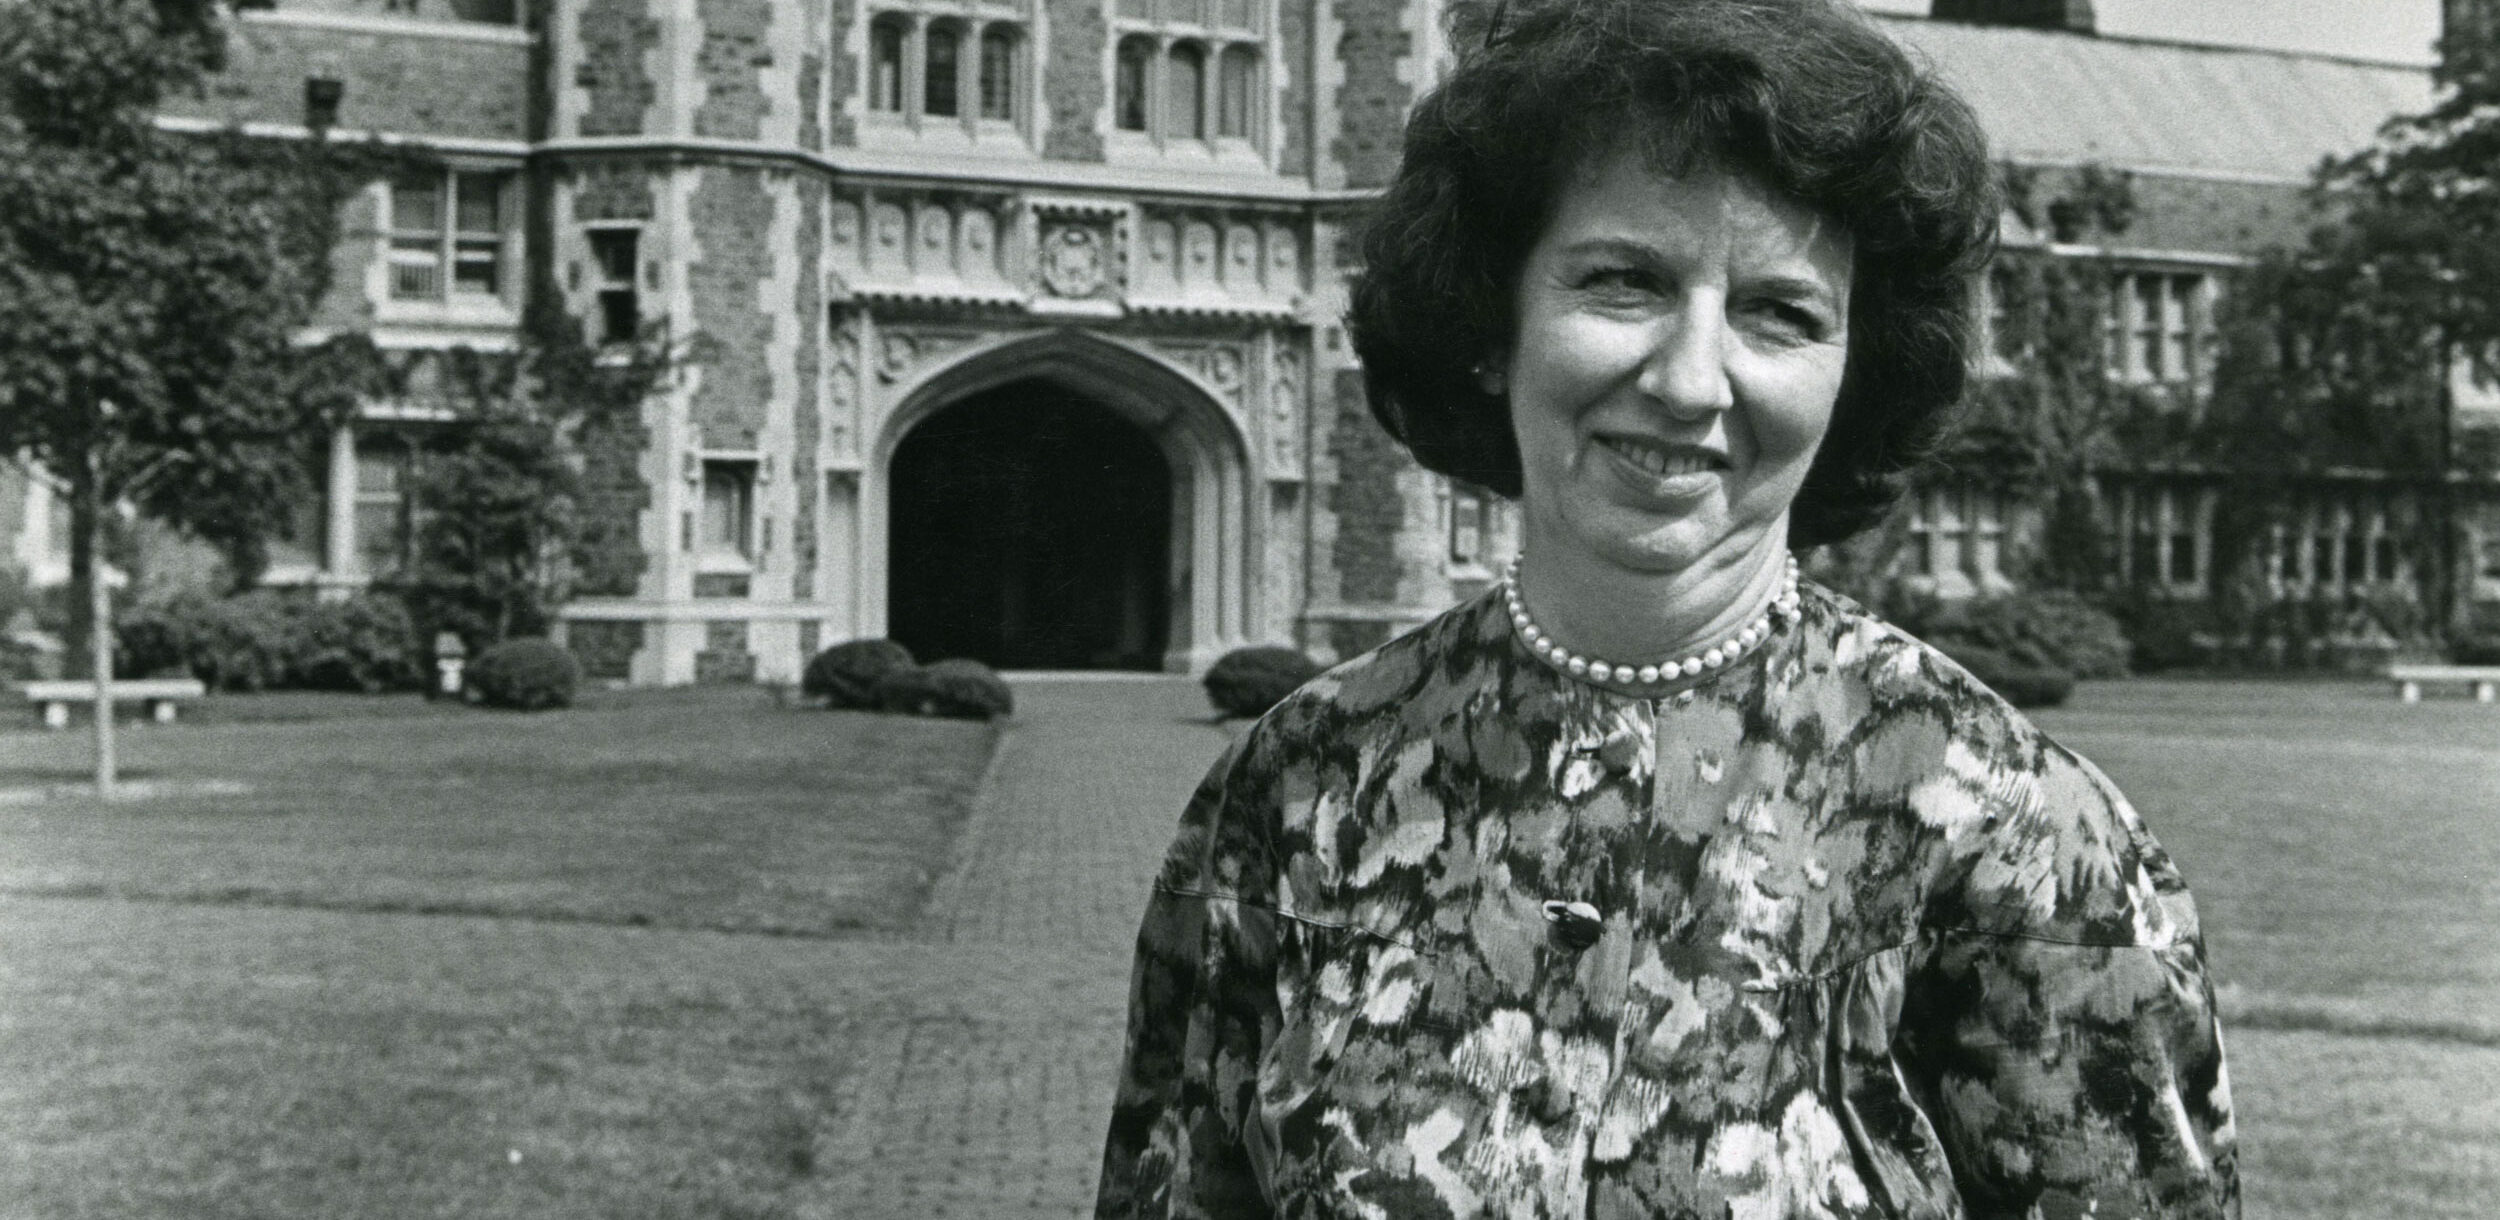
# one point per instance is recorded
(728, 509)
(945, 53)
(2004, 342)
(617, 253)
(885, 65)
(998, 73)
(2179, 321)
(2184, 532)
(477, 246)
(1237, 70)
(1129, 84)
(2145, 360)
(1188, 96)
(1468, 519)
(417, 238)
(382, 490)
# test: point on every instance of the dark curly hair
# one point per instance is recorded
(1805, 95)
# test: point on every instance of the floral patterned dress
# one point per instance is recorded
(1865, 943)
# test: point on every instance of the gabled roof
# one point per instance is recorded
(2056, 98)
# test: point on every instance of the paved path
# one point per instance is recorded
(984, 1081)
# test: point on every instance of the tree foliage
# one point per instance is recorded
(2048, 418)
(510, 524)
(152, 282)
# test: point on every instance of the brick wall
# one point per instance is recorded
(615, 37)
(1292, 58)
(1072, 80)
(394, 82)
(736, 49)
(1372, 104)
(613, 191)
(841, 75)
(732, 216)
(610, 555)
(1364, 499)
(807, 424)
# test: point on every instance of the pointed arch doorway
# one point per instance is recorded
(1031, 529)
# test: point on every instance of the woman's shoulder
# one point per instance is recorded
(2033, 837)
(1383, 686)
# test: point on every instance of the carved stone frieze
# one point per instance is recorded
(1219, 365)
(842, 401)
(1284, 411)
(903, 351)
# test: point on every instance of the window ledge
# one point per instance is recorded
(714, 563)
(981, 137)
(470, 311)
(1225, 154)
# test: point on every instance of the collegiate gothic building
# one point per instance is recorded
(1023, 317)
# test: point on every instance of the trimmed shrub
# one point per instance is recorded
(2046, 629)
(846, 675)
(268, 639)
(2022, 684)
(963, 689)
(362, 644)
(239, 643)
(526, 675)
(2475, 650)
(2169, 635)
(1248, 681)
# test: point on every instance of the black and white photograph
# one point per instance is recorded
(1249, 609)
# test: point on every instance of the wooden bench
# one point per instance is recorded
(2409, 679)
(159, 694)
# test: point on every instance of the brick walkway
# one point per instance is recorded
(985, 1076)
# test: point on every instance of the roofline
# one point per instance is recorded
(2422, 66)
(2155, 169)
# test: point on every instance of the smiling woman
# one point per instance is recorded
(1679, 344)
(1655, 881)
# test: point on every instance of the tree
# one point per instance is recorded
(2340, 350)
(150, 286)
(2056, 419)
(510, 521)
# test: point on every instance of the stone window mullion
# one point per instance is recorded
(915, 68)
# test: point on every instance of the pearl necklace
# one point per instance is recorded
(1717, 656)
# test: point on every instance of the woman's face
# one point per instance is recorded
(1680, 344)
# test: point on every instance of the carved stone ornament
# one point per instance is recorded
(1071, 261)
(1285, 408)
(1219, 365)
(901, 353)
(1223, 368)
(843, 381)
(896, 355)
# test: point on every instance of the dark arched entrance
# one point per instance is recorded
(1031, 528)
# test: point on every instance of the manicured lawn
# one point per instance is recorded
(2345, 853)
(417, 961)
(277, 997)
(702, 809)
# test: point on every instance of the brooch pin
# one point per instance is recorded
(1576, 924)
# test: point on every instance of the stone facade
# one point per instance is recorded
(871, 210)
